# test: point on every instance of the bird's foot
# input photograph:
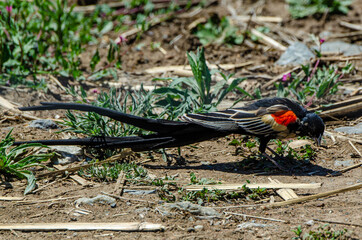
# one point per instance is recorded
(275, 163)
(168, 158)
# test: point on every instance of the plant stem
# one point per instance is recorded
(314, 70)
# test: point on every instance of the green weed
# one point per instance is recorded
(16, 161)
(202, 181)
(92, 124)
(218, 31)
(306, 153)
(317, 83)
(300, 9)
(200, 95)
(322, 233)
(206, 195)
(109, 172)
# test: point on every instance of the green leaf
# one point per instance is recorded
(95, 60)
(106, 28)
(31, 181)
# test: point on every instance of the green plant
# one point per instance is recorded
(218, 31)
(200, 95)
(317, 83)
(40, 37)
(16, 161)
(206, 195)
(300, 9)
(203, 181)
(323, 233)
(306, 153)
(109, 172)
(249, 143)
(92, 124)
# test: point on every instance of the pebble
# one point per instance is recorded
(44, 124)
(357, 129)
(343, 163)
(199, 227)
(297, 53)
(310, 223)
(247, 225)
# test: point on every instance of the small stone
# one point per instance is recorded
(310, 223)
(205, 163)
(191, 229)
(346, 49)
(299, 143)
(320, 204)
(357, 129)
(102, 199)
(199, 227)
(195, 209)
(44, 124)
(67, 154)
(139, 192)
(248, 225)
(297, 53)
(343, 163)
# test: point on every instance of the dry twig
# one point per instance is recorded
(335, 222)
(128, 199)
(236, 186)
(251, 216)
(87, 226)
(316, 196)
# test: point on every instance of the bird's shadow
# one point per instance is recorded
(255, 165)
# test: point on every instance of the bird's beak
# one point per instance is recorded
(318, 140)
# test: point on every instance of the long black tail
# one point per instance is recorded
(168, 133)
(136, 143)
(156, 125)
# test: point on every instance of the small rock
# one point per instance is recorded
(346, 49)
(142, 210)
(310, 223)
(299, 143)
(68, 154)
(191, 229)
(357, 129)
(44, 124)
(199, 227)
(296, 54)
(102, 199)
(192, 208)
(205, 163)
(343, 163)
(139, 192)
(247, 225)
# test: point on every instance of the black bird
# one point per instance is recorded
(266, 119)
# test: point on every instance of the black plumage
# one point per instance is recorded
(266, 119)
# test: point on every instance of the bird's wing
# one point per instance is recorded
(261, 121)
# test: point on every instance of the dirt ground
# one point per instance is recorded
(212, 159)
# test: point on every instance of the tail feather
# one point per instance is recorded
(136, 143)
(156, 125)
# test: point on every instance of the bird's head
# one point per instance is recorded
(313, 126)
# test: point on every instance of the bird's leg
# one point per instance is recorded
(273, 152)
(274, 162)
(263, 146)
(169, 157)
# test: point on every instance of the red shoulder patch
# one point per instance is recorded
(285, 118)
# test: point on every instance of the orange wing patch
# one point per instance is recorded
(285, 118)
